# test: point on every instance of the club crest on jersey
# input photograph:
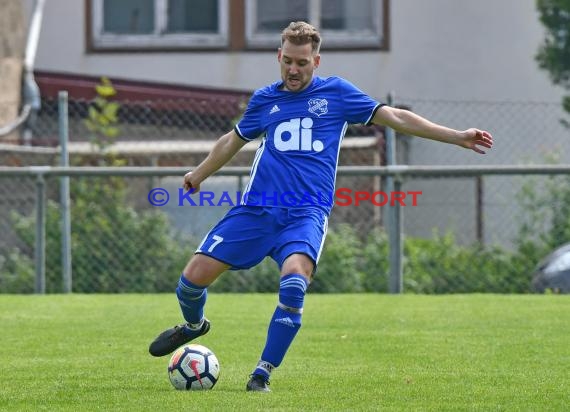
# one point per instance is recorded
(318, 106)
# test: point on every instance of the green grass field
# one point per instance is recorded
(354, 352)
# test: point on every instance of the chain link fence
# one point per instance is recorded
(123, 239)
(466, 234)
(524, 133)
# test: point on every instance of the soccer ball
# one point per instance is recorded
(193, 367)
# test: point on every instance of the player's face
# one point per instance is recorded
(298, 63)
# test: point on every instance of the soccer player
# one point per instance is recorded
(302, 118)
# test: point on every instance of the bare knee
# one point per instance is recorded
(298, 263)
(202, 270)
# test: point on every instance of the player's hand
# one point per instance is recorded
(189, 185)
(473, 138)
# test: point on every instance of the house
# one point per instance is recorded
(462, 63)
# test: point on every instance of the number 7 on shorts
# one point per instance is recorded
(217, 241)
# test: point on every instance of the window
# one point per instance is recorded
(343, 23)
(159, 24)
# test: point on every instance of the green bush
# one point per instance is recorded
(259, 279)
(119, 249)
(375, 263)
(439, 265)
(545, 223)
(339, 269)
(16, 273)
(114, 247)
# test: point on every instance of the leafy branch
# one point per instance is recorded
(102, 117)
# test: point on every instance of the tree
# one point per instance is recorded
(12, 45)
(116, 248)
(554, 53)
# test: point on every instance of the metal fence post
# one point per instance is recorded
(395, 221)
(395, 284)
(479, 193)
(40, 248)
(64, 193)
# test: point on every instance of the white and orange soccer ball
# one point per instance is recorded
(193, 367)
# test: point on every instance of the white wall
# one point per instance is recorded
(441, 49)
(464, 50)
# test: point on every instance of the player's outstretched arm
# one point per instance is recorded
(223, 151)
(407, 122)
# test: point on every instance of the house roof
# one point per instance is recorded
(163, 96)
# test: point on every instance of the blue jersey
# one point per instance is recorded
(296, 162)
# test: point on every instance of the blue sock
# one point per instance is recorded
(192, 299)
(285, 323)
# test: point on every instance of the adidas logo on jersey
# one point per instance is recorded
(286, 321)
(296, 134)
(274, 109)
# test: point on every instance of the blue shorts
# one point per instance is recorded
(247, 234)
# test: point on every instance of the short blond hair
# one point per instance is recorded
(300, 32)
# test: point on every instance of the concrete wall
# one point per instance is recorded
(458, 62)
(441, 49)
